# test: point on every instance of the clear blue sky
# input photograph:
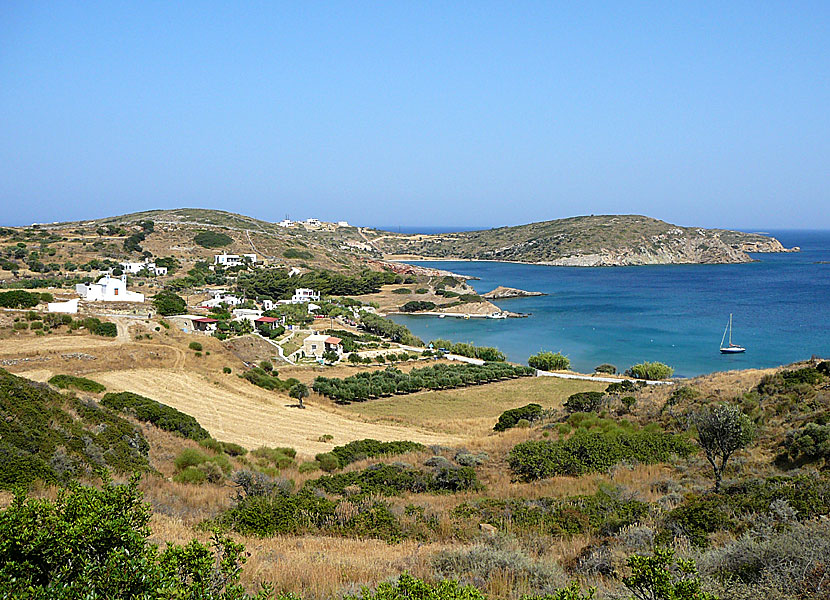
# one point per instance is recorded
(421, 113)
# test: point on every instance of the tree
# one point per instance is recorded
(662, 577)
(549, 361)
(721, 431)
(299, 391)
(331, 356)
(650, 370)
(169, 303)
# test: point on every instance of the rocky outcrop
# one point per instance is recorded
(503, 292)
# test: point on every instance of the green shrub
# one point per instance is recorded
(510, 418)
(169, 303)
(232, 449)
(19, 299)
(162, 416)
(51, 437)
(192, 475)
(281, 458)
(417, 306)
(226, 370)
(20, 325)
(328, 462)
(92, 542)
(78, 383)
(189, 457)
(402, 290)
(107, 330)
(212, 239)
(260, 377)
(583, 402)
(294, 253)
(422, 291)
(195, 346)
(368, 448)
(650, 370)
(589, 452)
(605, 368)
(394, 479)
(548, 361)
(308, 467)
(623, 387)
(486, 353)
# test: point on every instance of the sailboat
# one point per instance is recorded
(731, 348)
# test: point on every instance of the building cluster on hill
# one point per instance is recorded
(312, 224)
(134, 268)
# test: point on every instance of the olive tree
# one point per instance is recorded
(722, 430)
(299, 391)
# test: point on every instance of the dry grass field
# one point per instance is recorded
(472, 410)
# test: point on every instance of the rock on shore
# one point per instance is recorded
(502, 292)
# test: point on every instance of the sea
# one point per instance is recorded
(675, 314)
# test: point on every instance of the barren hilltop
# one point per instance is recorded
(588, 241)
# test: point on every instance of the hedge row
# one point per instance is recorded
(395, 479)
(368, 448)
(79, 383)
(373, 384)
(588, 452)
(162, 416)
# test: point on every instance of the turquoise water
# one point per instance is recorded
(674, 313)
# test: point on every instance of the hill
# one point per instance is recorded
(587, 241)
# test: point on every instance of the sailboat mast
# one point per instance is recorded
(730, 329)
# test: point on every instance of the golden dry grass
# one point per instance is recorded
(470, 411)
(234, 410)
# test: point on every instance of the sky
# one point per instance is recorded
(418, 113)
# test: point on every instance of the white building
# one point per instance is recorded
(227, 299)
(246, 314)
(305, 295)
(286, 223)
(318, 344)
(108, 289)
(132, 268)
(343, 224)
(70, 306)
(312, 223)
(294, 271)
(233, 260)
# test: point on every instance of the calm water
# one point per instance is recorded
(675, 314)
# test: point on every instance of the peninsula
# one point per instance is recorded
(587, 241)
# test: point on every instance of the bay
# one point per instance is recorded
(670, 313)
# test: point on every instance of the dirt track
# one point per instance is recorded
(236, 411)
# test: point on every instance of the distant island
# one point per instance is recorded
(588, 241)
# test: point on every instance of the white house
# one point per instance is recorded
(228, 299)
(304, 295)
(246, 314)
(108, 289)
(233, 260)
(343, 224)
(286, 223)
(294, 271)
(70, 306)
(316, 345)
(132, 268)
(312, 223)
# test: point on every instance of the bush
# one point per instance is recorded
(395, 479)
(36, 325)
(94, 542)
(548, 361)
(281, 458)
(195, 346)
(589, 452)
(212, 239)
(328, 462)
(402, 290)
(191, 475)
(809, 443)
(169, 303)
(368, 448)
(260, 377)
(388, 329)
(162, 416)
(294, 253)
(650, 370)
(510, 418)
(417, 305)
(19, 299)
(107, 330)
(605, 368)
(78, 383)
(486, 353)
(226, 370)
(583, 402)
